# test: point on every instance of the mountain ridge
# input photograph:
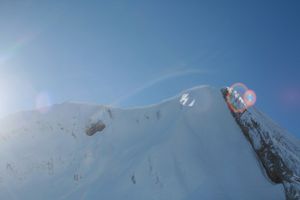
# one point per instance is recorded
(277, 150)
(173, 150)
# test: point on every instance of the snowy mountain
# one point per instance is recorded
(189, 147)
(278, 151)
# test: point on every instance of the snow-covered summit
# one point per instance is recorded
(187, 147)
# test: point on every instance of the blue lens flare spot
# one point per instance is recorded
(239, 97)
(250, 98)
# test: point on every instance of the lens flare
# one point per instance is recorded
(12, 50)
(240, 98)
(240, 88)
(43, 102)
(250, 98)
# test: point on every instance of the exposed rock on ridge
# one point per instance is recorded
(278, 153)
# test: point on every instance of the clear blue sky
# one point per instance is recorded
(140, 52)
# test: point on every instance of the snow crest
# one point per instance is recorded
(164, 151)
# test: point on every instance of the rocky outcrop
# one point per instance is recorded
(94, 128)
(277, 153)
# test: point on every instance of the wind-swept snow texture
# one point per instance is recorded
(161, 152)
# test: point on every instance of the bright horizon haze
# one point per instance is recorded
(135, 53)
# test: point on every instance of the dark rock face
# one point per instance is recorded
(278, 155)
(94, 128)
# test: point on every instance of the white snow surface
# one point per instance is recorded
(160, 152)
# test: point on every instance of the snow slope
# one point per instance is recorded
(185, 149)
